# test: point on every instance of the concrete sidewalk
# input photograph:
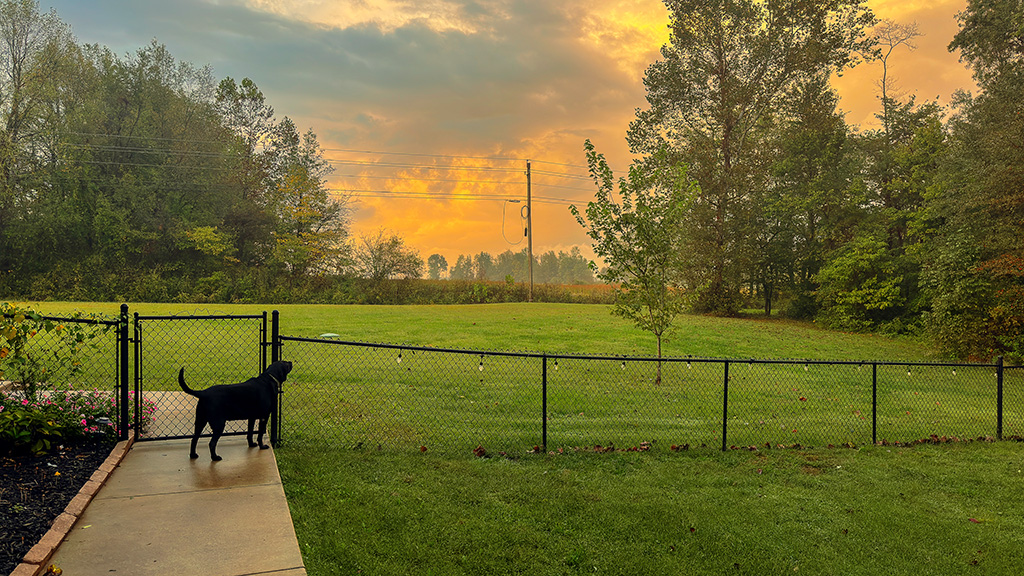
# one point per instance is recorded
(162, 513)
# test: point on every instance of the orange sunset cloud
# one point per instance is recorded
(429, 110)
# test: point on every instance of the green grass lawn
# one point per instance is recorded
(949, 509)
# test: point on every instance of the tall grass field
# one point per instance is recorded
(383, 472)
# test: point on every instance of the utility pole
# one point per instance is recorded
(529, 229)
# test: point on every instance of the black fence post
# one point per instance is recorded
(725, 408)
(275, 355)
(544, 402)
(874, 402)
(263, 343)
(999, 398)
(138, 376)
(122, 376)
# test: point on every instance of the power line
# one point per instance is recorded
(406, 194)
(411, 178)
(497, 158)
(422, 166)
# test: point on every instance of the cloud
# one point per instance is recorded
(506, 78)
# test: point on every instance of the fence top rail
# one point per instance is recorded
(665, 359)
(82, 320)
(203, 317)
(72, 320)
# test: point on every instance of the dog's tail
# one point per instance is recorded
(181, 382)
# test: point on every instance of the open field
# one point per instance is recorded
(946, 509)
(552, 328)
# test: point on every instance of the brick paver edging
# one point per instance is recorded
(34, 562)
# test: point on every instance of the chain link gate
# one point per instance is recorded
(213, 349)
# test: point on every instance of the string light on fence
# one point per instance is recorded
(556, 363)
(954, 371)
(623, 365)
(481, 367)
(805, 367)
(688, 366)
(399, 359)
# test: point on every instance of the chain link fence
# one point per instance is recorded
(390, 396)
(412, 397)
(73, 355)
(213, 349)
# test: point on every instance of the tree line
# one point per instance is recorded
(751, 188)
(143, 177)
(549, 268)
(139, 175)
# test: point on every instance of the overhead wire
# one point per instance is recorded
(363, 164)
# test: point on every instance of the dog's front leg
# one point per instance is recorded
(263, 430)
(252, 424)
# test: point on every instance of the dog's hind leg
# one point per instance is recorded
(217, 426)
(200, 424)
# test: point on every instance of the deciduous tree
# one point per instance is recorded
(728, 66)
(638, 238)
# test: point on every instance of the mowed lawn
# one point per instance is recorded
(953, 508)
(540, 327)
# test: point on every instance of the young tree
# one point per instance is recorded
(639, 240)
(727, 68)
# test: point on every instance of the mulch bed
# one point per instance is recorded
(34, 490)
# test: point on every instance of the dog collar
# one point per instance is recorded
(280, 388)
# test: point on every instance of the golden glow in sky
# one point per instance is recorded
(429, 109)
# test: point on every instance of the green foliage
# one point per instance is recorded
(714, 100)
(62, 416)
(29, 430)
(638, 239)
(859, 288)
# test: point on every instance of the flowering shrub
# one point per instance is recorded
(62, 417)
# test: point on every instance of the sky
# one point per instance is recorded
(429, 109)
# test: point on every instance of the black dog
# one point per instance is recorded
(250, 400)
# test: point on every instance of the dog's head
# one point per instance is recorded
(279, 371)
